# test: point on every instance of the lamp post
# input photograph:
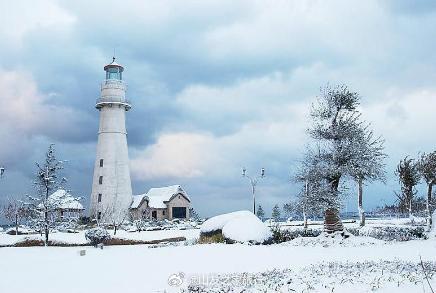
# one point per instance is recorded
(253, 182)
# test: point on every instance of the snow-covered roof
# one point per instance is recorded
(64, 200)
(137, 199)
(158, 197)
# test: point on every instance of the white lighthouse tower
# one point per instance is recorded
(111, 187)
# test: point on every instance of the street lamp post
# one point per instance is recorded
(253, 182)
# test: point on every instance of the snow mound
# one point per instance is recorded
(218, 222)
(241, 226)
(324, 240)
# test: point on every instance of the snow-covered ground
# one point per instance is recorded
(141, 268)
(79, 238)
(312, 264)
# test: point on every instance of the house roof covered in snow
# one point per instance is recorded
(61, 199)
(159, 197)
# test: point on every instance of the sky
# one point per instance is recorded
(215, 86)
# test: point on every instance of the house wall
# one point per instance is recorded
(137, 213)
(178, 201)
(161, 214)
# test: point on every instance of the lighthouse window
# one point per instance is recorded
(99, 197)
(100, 180)
(113, 73)
(101, 162)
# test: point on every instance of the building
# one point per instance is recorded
(64, 205)
(111, 194)
(169, 203)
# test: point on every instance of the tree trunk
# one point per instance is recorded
(429, 209)
(16, 224)
(305, 220)
(46, 228)
(360, 202)
(332, 221)
(115, 229)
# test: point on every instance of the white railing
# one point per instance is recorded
(112, 100)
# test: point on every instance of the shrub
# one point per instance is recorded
(280, 236)
(211, 237)
(390, 233)
(97, 236)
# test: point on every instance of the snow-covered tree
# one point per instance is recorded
(288, 209)
(276, 213)
(193, 214)
(427, 169)
(336, 152)
(260, 213)
(15, 211)
(367, 162)
(114, 216)
(47, 180)
(408, 177)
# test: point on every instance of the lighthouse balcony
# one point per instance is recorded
(113, 102)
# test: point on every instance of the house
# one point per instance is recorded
(62, 204)
(169, 203)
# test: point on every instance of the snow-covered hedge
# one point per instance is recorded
(241, 226)
(97, 236)
(390, 233)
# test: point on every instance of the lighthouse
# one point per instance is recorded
(111, 193)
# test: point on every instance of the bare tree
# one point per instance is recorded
(47, 180)
(15, 211)
(316, 196)
(427, 169)
(367, 163)
(408, 177)
(335, 123)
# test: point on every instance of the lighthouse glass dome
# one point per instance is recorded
(114, 72)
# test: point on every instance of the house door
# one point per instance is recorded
(154, 214)
(179, 212)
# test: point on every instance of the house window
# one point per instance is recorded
(100, 180)
(163, 213)
(99, 197)
(101, 162)
(154, 214)
(99, 216)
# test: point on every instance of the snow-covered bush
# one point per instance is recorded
(97, 236)
(280, 235)
(241, 226)
(390, 233)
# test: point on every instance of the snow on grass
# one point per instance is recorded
(324, 277)
(140, 268)
(324, 240)
(79, 238)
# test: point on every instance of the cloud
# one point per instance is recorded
(30, 114)
(215, 85)
(178, 155)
